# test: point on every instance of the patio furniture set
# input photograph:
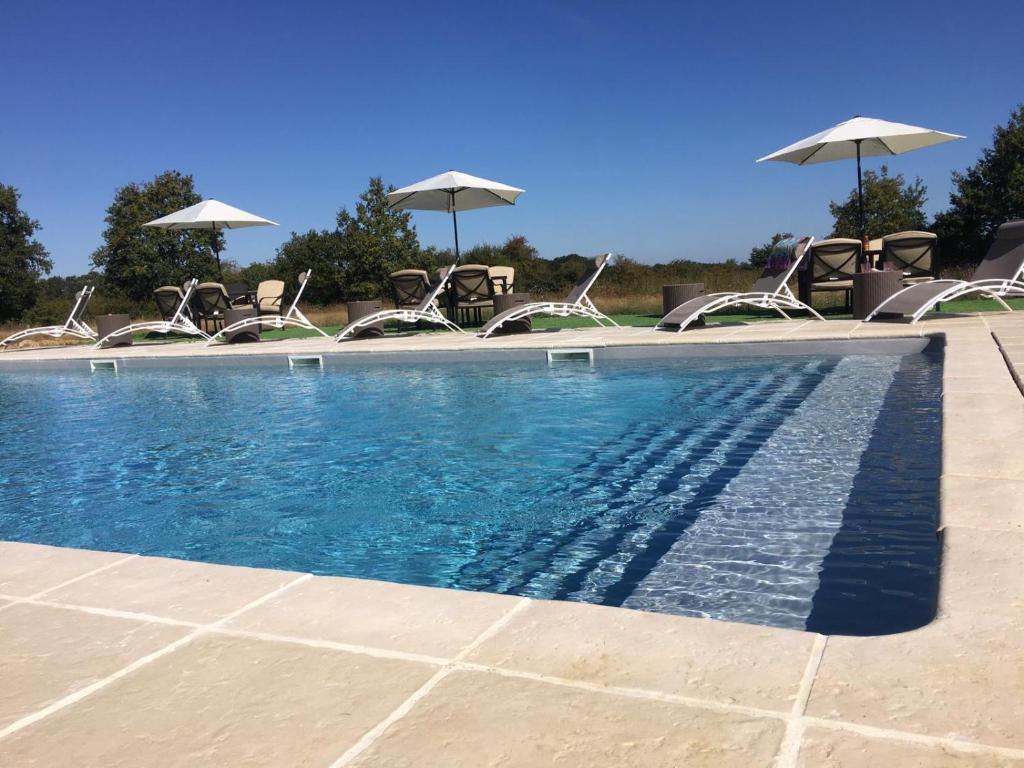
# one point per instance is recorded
(905, 292)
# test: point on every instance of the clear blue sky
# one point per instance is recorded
(633, 126)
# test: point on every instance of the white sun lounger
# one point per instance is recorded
(1000, 274)
(293, 316)
(576, 303)
(179, 322)
(426, 311)
(769, 292)
(73, 326)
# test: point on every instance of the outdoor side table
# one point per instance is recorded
(872, 288)
(243, 335)
(358, 309)
(506, 301)
(674, 295)
(107, 324)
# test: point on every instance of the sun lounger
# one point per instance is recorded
(275, 319)
(73, 326)
(179, 322)
(426, 311)
(998, 275)
(577, 303)
(771, 290)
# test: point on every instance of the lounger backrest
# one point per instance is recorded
(213, 299)
(78, 308)
(1005, 257)
(502, 279)
(409, 286)
(435, 288)
(912, 253)
(786, 255)
(269, 295)
(835, 259)
(302, 280)
(595, 267)
(168, 299)
(186, 297)
(471, 284)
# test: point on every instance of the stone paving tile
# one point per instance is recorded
(174, 589)
(983, 502)
(1002, 386)
(701, 658)
(959, 677)
(223, 701)
(26, 569)
(982, 576)
(399, 617)
(825, 748)
(48, 653)
(477, 719)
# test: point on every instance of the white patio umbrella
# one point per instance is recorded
(857, 137)
(452, 192)
(210, 214)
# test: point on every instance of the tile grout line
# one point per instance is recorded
(456, 664)
(99, 685)
(367, 739)
(793, 739)
(15, 600)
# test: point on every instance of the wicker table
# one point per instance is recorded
(506, 301)
(358, 309)
(243, 335)
(674, 295)
(107, 324)
(872, 288)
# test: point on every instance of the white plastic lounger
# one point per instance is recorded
(73, 326)
(179, 322)
(998, 275)
(293, 316)
(769, 292)
(576, 303)
(426, 311)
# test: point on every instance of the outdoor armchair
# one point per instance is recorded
(912, 253)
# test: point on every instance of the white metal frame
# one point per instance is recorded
(73, 326)
(779, 300)
(582, 307)
(992, 288)
(426, 312)
(293, 316)
(179, 322)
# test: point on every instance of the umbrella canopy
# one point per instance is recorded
(451, 192)
(856, 138)
(210, 214)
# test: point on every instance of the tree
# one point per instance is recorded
(518, 249)
(376, 241)
(890, 205)
(137, 259)
(987, 194)
(23, 260)
(759, 253)
(323, 252)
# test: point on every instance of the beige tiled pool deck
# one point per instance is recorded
(119, 660)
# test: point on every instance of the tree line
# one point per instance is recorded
(352, 259)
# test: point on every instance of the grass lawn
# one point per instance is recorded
(637, 321)
(641, 321)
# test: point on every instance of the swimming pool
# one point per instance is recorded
(796, 491)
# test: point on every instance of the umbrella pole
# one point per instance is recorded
(455, 223)
(860, 194)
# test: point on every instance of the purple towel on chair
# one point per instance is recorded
(782, 255)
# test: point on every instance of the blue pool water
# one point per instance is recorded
(791, 491)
